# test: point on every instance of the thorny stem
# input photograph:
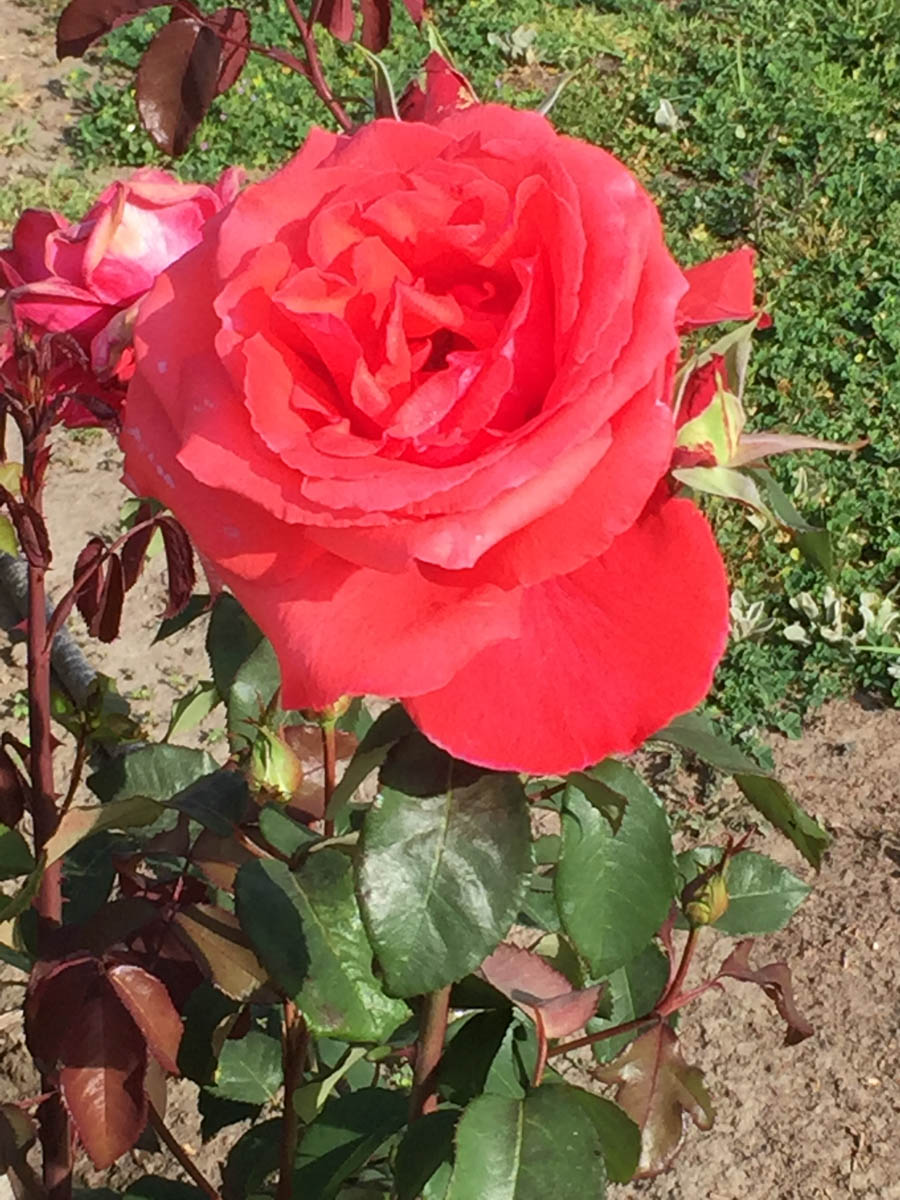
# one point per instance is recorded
(671, 1000)
(429, 1045)
(674, 988)
(329, 767)
(314, 66)
(293, 1055)
(179, 1153)
(590, 1038)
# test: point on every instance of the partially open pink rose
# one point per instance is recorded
(86, 278)
(412, 397)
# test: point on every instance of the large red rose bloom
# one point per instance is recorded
(412, 397)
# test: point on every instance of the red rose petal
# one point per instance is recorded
(719, 290)
(607, 655)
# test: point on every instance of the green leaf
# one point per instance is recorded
(189, 710)
(15, 857)
(441, 878)
(812, 542)
(217, 1112)
(196, 607)
(696, 733)
(392, 725)
(230, 640)
(619, 1136)
(252, 691)
(762, 894)
(12, 906)
(153, 1188)
(251, 1160)
(283, 833)
(632, 990)
(9, 543)
(249, 1069)
(473, 1044)
(204, 1013)
(614, 890)
(726, 482)
(15, 958)
(349, 1130)
(307, 931)
(528, 1149)
(217, 801)
(310, 1098)
(153, 772)
(426, 1145)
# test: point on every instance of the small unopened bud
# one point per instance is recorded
(705, 899)
(274, 767)
(329, 714)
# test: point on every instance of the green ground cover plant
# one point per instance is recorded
(781, 133)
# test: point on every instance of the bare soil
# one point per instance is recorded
(819, 1121)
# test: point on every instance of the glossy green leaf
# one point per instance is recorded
(426, 1146)
(306, 928)
(614, 890)
(697, 734)
(218, 801)
(230, 640)
(12, 906)
(189, 710)
(632, 990)
(252, 691)
(348, 1131)
(528, 1149)
(309, 1099)
(619, 1136)
(473, 1044)
(196, 607)
(762, 894)
(15, 857)
(282, 832)
(441, 878)
(249, 1069)
(129, 812)
(152, 1187)
(387, 729)
(152, 772)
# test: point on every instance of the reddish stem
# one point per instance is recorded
(672, 991)
(314, 66)
(293, 1054)
(429, 1047)
(181, 1156)
(590, 1038)
(329, 767)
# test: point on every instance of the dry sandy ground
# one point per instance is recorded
(820, 1121)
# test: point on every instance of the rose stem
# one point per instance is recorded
(293, 1056)
(316, 75)
(55, 1131)
(329, 767)
(429, 1044)
(179, 1153)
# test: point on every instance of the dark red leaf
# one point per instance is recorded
(32, 530)
(57, 991)
(376, 24)
(151, 1009)
(337, 17)
(12, 791)
(416, 9)
(533, 984)
(176, 83)
(135, 548)
(180, 564)
(105, 624)
(87, 595)
(775, 981)
(102, 1077)
(83, 21)
(233, 26)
